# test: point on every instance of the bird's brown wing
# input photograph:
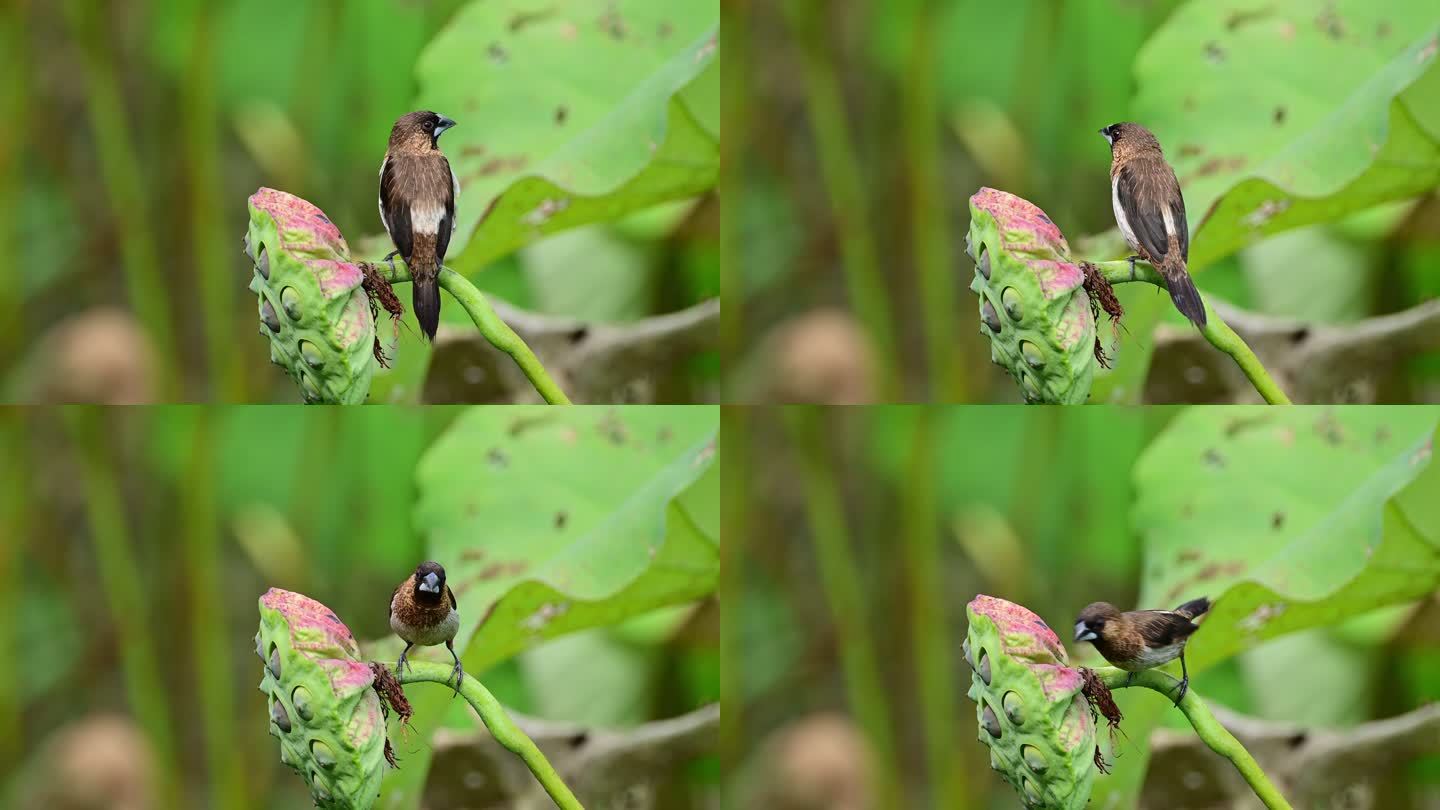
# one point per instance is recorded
(395, 212)
(447, 222)
(453, 603)
(1162, 627)
(1146, 189)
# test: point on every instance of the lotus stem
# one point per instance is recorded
(1215, 330)
(1206, 726)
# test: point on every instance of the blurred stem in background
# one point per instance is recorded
(14, 498)
(734, 444)
(120, 581)
(123, 178)
(840, 579)
(14, 98)
(928, 630)
(845, 183)
(734, 20)
(210, 644)
(929, 236)
(213, 267)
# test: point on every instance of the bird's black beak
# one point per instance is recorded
(443, 124)
(1083, 632)
(430, 582)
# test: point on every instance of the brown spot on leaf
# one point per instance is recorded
(522, 20)
(1277, 520)
(474, 150)
(1238, 19)
(497, 458)
(1187, 555)
(561, 518)
(1214, 53)
(473, 554)
(561, 113)
(1279, 115)
(514, 163)
(1190, 150)
(1383, 29)
(1213, 458)
(497, 54)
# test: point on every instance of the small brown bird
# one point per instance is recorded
(1151, 211)
(423, 611)
(1141, 639)
(417, 206)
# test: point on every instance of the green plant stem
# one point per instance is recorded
(1206, 727)
(929, 234)
(844, 181)
(928, 631)
(123, 586)
(124, 180)
(840, 580)
(502, 728)
(495, 330)
(1219, 333)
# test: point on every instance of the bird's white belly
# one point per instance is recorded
(1153, 657)
(1120, 217)
(427, 636)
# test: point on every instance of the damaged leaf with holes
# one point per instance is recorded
(323, 708)
(1033, 304)
(1029, 706)
(312, 307)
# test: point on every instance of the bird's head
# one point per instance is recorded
(1129, 135)
(429, 580)
(1092, 621)
(419, 130)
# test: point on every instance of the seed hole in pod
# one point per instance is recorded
(308, 388)
(311, 354)
(323, 754)
(245, 241)
(300, 699)
(274, 662)
(262, 263)
(267, 314)
(322, 794)
(1034, 760)
(995, 763)
(1032, 391)
(1010, 299)
(275, 355)
(984, 262)
(285, 757)
(984, 667)
(1032, 354)
(992, 318)
(280, 716)
(259, 647)
(1014, 708)
(990, 722)
(1032, 792)
(291, 301)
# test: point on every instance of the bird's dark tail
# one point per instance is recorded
(426, 300)
(1194, 609)
(1184, 294)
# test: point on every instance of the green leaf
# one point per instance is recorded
(554, 520)
(1287, 520)
(572, 112)
(1277, 115)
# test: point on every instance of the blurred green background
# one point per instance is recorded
(866, 531)
(856, 133)
(137, 130)
(134, 545)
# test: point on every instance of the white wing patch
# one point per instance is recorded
(455, 184)
(380, 198)
(1120, 214)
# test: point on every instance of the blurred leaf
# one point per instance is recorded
(571, 112)
(1287, 519)
(553, 521)
(614, 692)
(591, 274)
(1284, 114)
(1337, 284)
(1337, 683)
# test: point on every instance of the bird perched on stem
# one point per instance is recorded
(1141, 639)
(1151, 212)
(417, 206)
(423, 611)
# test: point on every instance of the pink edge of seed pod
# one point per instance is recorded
(317, 633)
(1029, 233)
(308, 234)
(1028, 638)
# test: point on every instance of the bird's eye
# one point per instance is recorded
(428, 125)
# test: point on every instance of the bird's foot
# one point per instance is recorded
(1129, 679)
(459, 673)
(401, 664)
(1132, 260)
(1184, 687)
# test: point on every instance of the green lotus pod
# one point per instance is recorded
(1029, 705)
(322, 704)
(1033, 303)
(312, 306)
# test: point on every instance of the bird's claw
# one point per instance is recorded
(459, 673)
(400, 665)
(1132, 261)
(1184, 687)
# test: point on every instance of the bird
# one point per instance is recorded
(1141, 639)
(418, 191)
(423, 611)
(1150, 211)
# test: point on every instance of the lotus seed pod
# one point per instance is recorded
(322, 704)
(1033, 303)
(1029, 706)
(312, 306)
